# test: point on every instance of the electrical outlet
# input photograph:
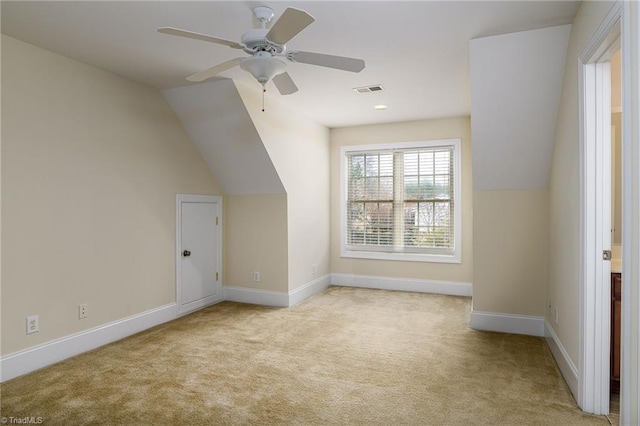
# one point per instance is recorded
(33, 324)
(256, 276)
(83, 310)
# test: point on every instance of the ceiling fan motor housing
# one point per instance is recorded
(255, 41)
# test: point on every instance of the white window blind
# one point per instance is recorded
(401, 200)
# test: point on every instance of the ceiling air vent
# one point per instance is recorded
(368, 89)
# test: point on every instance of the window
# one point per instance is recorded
(401, 201)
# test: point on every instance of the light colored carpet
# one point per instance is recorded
(343, 357)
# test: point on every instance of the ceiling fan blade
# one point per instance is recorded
(203, 75)
(330, 61)
(288, 25)
(197, 36)
(285, 84)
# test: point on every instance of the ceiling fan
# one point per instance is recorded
(264, 45)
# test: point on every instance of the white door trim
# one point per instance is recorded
(595, 213)
(630, 368)
(219, 295)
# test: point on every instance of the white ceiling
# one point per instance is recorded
(418, 50)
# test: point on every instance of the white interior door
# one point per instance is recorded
(199, 252)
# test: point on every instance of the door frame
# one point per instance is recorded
(595, 213)
(218, 297)
(593, 374)
(630, 366)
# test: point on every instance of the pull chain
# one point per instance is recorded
(264, 90)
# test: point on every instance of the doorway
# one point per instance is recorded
(593, 374)
(616, 231)
(596, 215)
(198, 251)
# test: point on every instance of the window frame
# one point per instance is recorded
(456, 256)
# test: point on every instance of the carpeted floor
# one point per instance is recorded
(343, 357)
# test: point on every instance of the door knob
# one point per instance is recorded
(186, 253)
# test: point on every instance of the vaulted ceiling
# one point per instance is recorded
(418, 50)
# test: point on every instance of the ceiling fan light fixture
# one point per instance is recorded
(263, 68)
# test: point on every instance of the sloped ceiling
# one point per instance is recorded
(217, 122)
(417, 50)
(516, 80)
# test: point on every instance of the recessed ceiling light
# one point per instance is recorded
(380, 107)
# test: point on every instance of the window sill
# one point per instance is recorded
(403, 257)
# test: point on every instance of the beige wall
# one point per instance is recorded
(510, 251)
(564, 190)
(403, 132)
(255, 239)
(616, 179)
(616, 147)
(299, 150)
(91, 165)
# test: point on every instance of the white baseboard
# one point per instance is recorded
(190, 308)
(255, 296)
(304, 292)
(567, 367)
(507, 323)
(28, 360)
(25, 361)
(451, 288)
(280, 299)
